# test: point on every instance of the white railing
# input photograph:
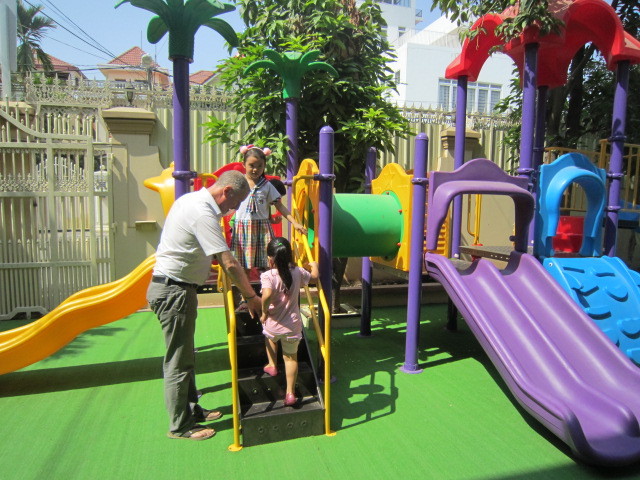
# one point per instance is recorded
(55, 210)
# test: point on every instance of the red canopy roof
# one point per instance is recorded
(585, 21)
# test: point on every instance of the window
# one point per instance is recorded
(495, 98)
(481, 97)
(401, 31)
(444, 95)
(396, 77)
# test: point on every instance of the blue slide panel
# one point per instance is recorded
(608, 291)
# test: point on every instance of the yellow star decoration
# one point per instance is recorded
(164, 184)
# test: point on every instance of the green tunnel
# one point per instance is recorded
(366, 225)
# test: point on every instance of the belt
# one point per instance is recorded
(171, 281)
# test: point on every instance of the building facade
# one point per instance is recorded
(423, 55)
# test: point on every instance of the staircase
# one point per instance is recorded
(263, 416)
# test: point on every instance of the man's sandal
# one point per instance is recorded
(208, 415)
(205, 433)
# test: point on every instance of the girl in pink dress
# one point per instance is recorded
(280, 318)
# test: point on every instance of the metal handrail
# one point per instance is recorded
(324, 342)
(230, 315)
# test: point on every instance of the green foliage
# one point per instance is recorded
(588, 94)
(349, 37)
(32, 28)
(528, 13)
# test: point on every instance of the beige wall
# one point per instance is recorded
(138, 214)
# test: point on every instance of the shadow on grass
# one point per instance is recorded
(56, 379)
(573, 471)
(365, 368)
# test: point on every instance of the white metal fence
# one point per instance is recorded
(55, 210)
(56, 205)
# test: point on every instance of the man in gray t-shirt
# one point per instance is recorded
(190, 238)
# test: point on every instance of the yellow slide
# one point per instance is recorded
(82, 311)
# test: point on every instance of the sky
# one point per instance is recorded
(92, 32)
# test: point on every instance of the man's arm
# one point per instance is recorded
(235, 271)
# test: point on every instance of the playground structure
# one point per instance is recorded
(558, 365)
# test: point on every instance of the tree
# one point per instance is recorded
(573, 119)
(291, 66)
(182, 21)
(32, 28)
(351, 39)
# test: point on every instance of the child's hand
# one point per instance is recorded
(263, 317)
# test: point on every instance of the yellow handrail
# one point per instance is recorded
(224, 285)
(325, 344)
(233, 357)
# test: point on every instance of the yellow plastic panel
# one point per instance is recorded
(394, 180)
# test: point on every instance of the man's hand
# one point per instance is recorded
(255, 306)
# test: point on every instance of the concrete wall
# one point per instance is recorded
(138, 214)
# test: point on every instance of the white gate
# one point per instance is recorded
(55, 211)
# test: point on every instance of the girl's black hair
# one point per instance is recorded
(254, 152)
(279, 249)
(282, 190)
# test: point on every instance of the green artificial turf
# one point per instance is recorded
(94, 410)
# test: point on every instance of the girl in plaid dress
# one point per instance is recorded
(252, 228)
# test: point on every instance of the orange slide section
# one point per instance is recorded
(80, 312)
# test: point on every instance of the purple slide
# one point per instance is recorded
(557, 363)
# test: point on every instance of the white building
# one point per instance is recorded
(423, 56)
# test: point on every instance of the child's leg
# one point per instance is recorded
(291, 369)
(272, 352)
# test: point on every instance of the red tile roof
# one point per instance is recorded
(59, 66)
(201, 77)
(132, 57)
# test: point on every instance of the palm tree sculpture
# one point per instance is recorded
(31, 29)
(182, 20)
(291, 66)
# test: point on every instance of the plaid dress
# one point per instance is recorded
(252, 230)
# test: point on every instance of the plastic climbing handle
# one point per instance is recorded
(366, 225)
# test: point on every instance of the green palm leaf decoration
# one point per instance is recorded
(182, 20)
(291, 66)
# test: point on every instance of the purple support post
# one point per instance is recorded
(325, 215)
(529, 81)
(538, 147)
(540, 130)
(291, 125)
(367, 268)
(528, 109)
(615, 173)
(458, 161)
(416, 255)
(181, 147)
(325, 226)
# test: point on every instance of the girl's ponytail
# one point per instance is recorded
(279, 249)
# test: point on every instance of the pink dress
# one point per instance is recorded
(283, 317)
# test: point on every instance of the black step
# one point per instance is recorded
(264, 417)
